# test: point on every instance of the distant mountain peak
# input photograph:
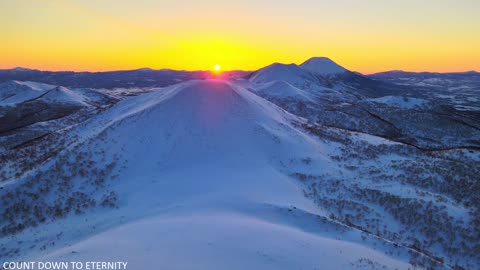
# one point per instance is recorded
(278, 64)
(144, 69)
(290, 73)
(396, 71)
(22, 69)
(322, 66)
(471, 72)
(319, 58)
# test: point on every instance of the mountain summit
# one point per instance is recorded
(287, 72)
(322, 66)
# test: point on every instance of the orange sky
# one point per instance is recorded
(366, 36)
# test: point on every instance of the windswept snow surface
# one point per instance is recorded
(205, 184)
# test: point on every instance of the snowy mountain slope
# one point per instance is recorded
(282, 89)
(319, 74)
(30, 110)
(401, 102)
(26, 103)
(207, 171)
(355, 102)
(65, 96)
(289, 73)
(14, 92)
(460, 90)
(42, 87)
(322, 66)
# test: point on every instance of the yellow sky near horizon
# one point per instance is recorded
(366, 36)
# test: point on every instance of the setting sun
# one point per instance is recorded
(217, 67)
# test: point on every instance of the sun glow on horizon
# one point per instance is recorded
(367, 37)
(217, 68)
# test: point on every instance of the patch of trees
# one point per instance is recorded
(73, 184)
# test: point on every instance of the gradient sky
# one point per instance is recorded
(361, 35)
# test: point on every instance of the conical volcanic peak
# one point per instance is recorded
(322, 66)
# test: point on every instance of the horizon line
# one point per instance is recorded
(223, 71)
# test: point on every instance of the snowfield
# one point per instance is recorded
(401, 102)
(289, 167)
(197, 183)
(216, 239)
